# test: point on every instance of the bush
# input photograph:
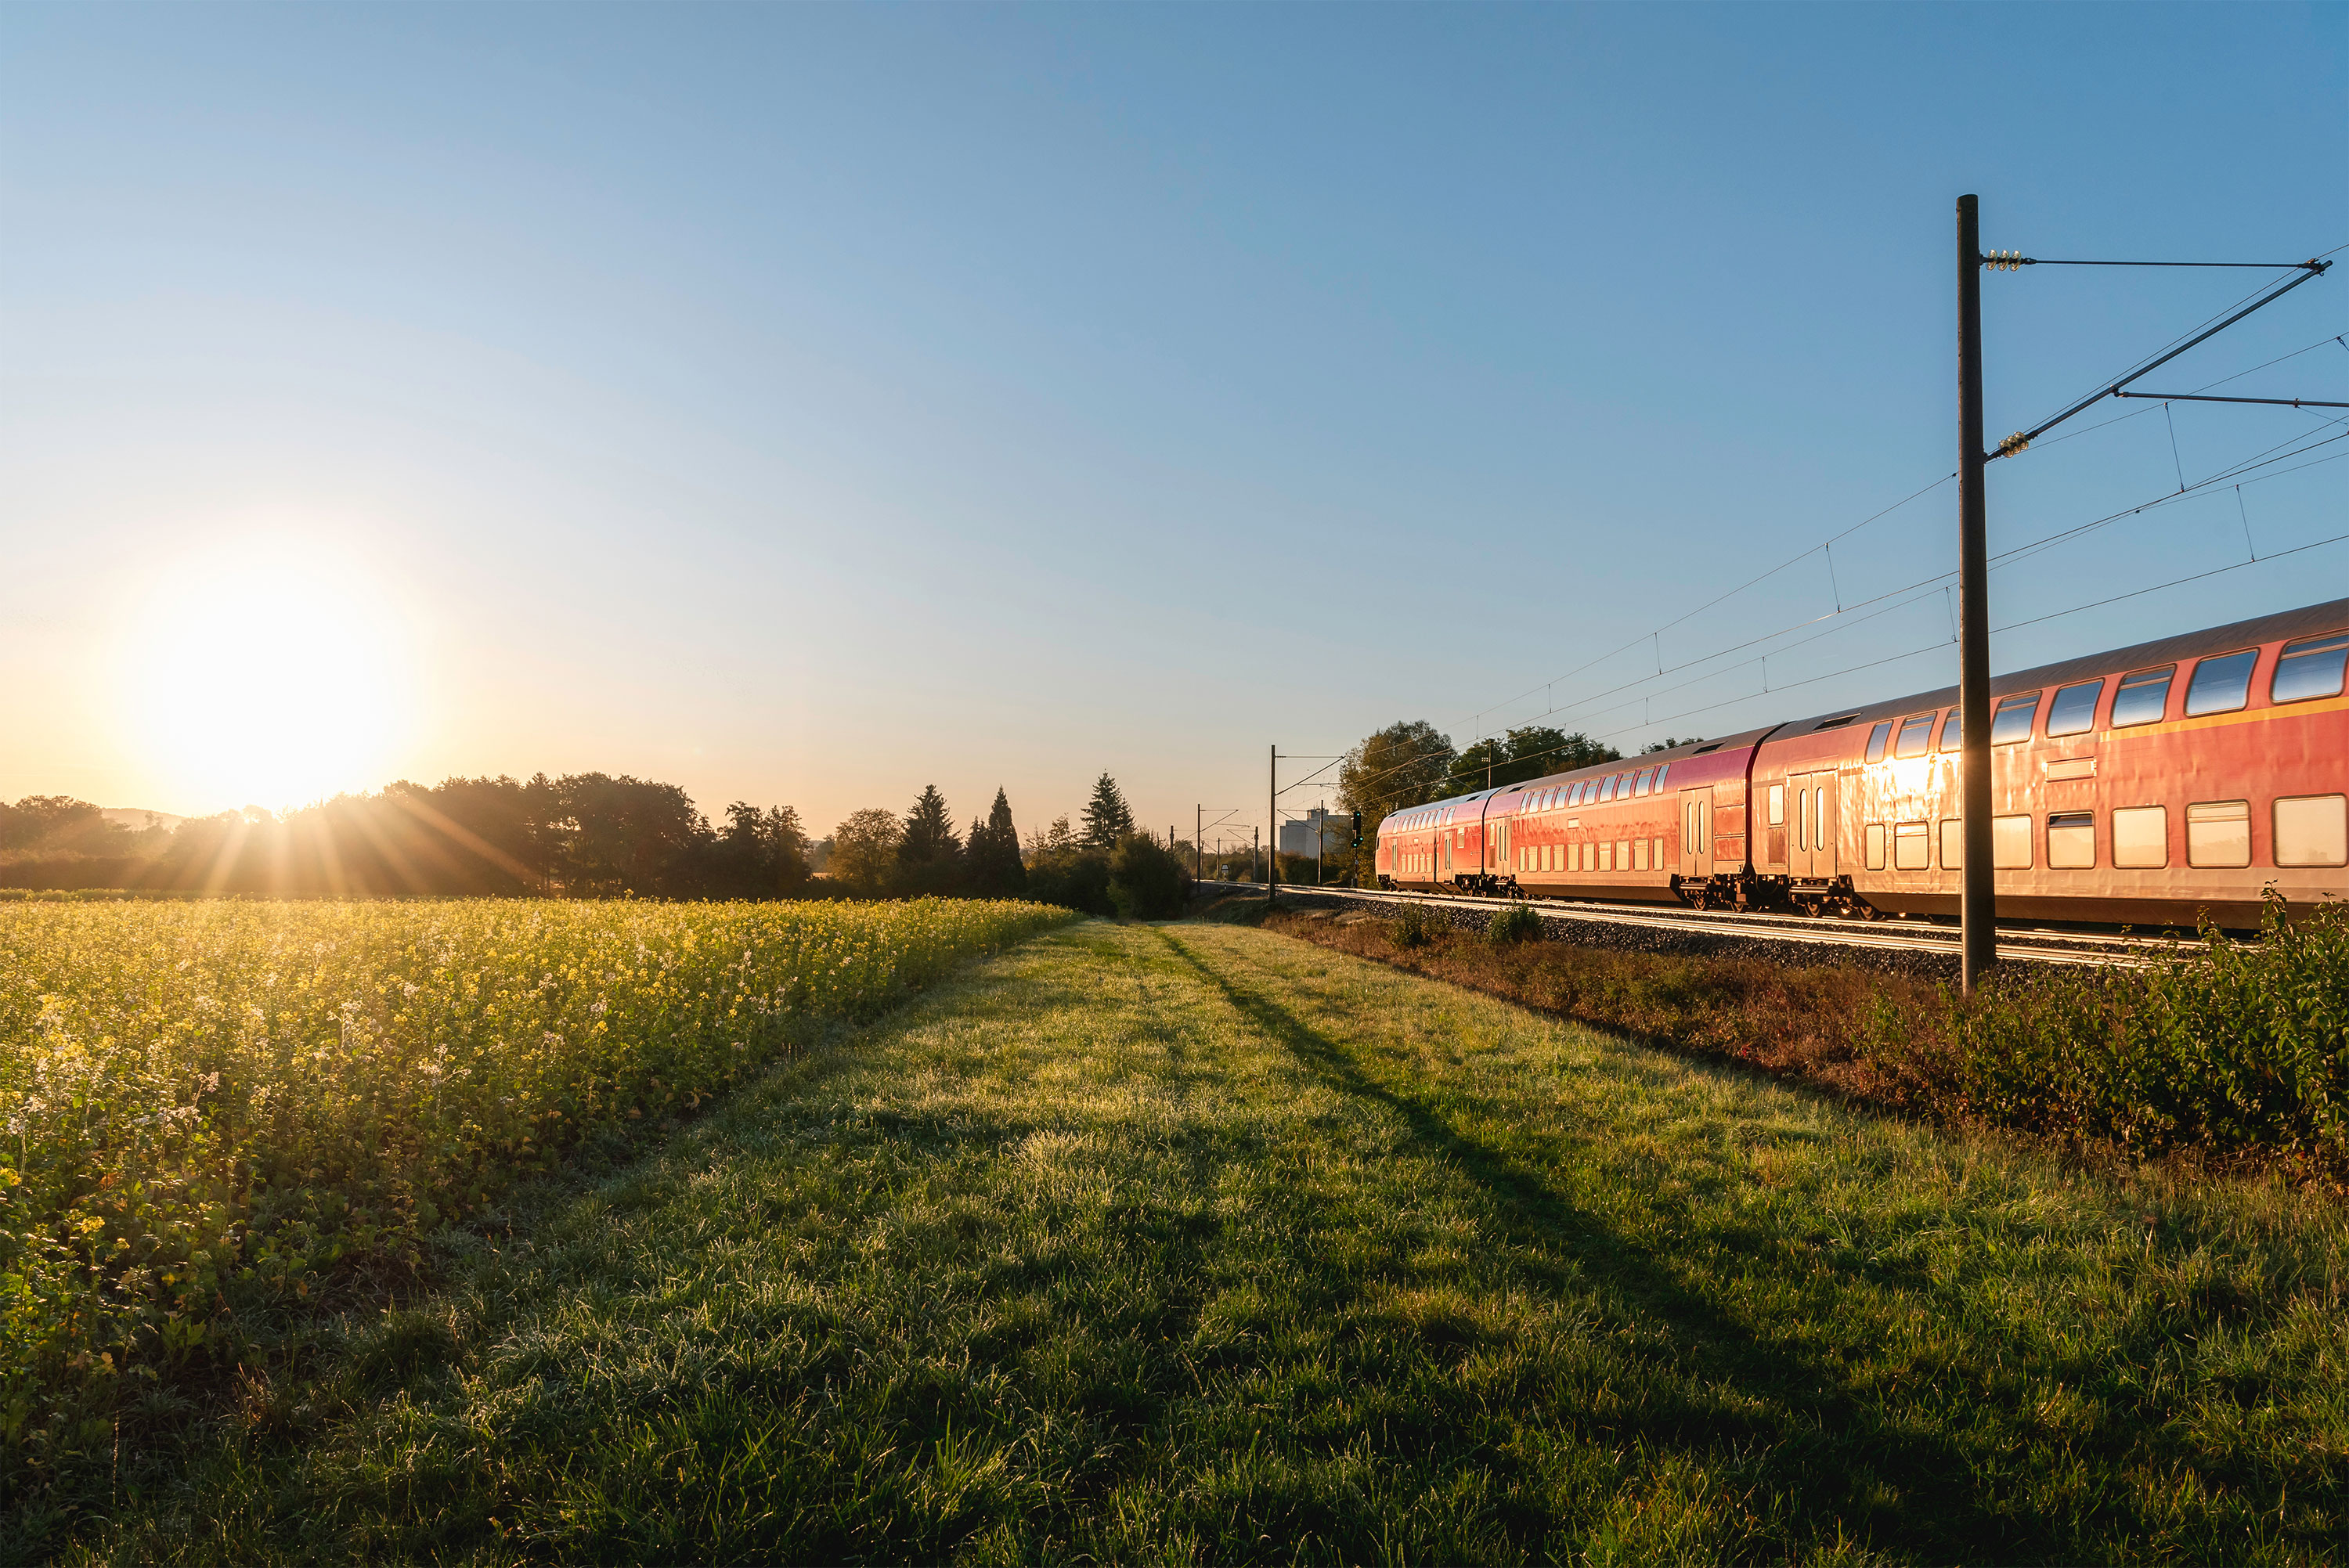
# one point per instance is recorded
(1518, 922)
(1147, 881)
(1073, 879)
(1412, 927)
(2235, 1047)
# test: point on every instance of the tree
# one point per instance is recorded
(1107, 818)
(864, 848)
(992, 853)
(1667, 743)
(1051, 840)
(1531, 752)
(929, 831)
(1402, 765)
(929, 855)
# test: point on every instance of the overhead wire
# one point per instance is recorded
(1914, 591)
(1928, 585)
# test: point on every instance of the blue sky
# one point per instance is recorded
(809, 404)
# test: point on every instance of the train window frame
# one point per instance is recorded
(1953, 843)
(1777, 806)
(1922, 725)
(2134, 849)
(1878, 739)
(2064, 708)
(2011, 843)
(1875, 839)
(1953, 731)
(1667, 768)
(2219, 834)
(1910, 839)
(2005, 730)
(2327, 814)
(2159, 680)
(2078, 829)
(2301, 654)
(1640, 784)
(2234, 695)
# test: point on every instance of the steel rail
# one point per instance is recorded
(2021, 945)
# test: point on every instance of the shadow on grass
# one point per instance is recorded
(1824, 1453)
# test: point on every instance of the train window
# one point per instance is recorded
(1953, 729)
(1667, 768)
(1876, 739)
(1953, 843)
(1911, 850)
(2012, 719)
(1916, 736)
(2074, 709)
(2010, 843)
(1778, 805)
(2143, 699)
(1660, 851)
(2219, 833)
(2071, 841)
(2221, 684)
(1875, 837)
(2312, 830)
(1639, 854)
(2141, 837)
(2310, 667)
(1640, 784)
(1623, 854)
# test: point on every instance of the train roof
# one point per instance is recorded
(2329, 616)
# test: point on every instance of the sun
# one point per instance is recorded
(270, 674)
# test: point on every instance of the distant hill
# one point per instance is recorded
(135, 819)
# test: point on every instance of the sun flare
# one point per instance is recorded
(272, 676)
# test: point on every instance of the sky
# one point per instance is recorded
(805, 405)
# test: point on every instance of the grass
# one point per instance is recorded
(1196, 1244)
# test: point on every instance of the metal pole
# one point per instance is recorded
(1322, 846)
(1198, 842)
(1978, 941)
(1272, 823)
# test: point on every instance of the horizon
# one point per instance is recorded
(805, 406)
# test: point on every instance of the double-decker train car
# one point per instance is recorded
(2158, 784)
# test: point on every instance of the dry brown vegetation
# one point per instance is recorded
(1826, 1023)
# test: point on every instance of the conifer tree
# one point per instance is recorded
(993, 853)
(1107, 816)
(930, 839)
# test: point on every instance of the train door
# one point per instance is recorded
(1696, 835)
(1811, 838)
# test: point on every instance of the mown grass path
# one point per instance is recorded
(1197, 1243)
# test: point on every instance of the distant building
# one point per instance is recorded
(1336, 828)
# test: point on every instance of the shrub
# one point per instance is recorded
(1073, 879)
(2230, 1047)
(1518, 922)
(1146, 879)
(1412, 927)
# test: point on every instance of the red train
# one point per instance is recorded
(2150, 786)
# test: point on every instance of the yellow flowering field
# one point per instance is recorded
(213, 1102)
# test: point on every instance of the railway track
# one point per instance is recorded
(2026, 944)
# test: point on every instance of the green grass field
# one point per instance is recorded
(1199, 1243)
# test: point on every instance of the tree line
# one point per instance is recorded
(595, 835)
